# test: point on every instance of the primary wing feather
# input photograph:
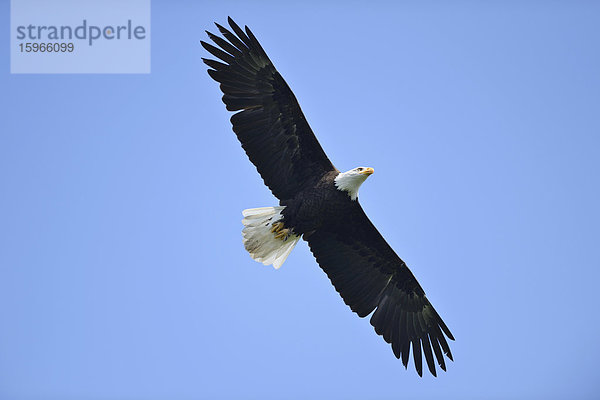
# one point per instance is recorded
(270, 124)
(370, 276)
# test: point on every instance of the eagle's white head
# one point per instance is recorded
(350, 181)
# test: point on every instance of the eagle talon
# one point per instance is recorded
(277, 227)
(283, 234)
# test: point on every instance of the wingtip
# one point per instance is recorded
(210, 35)
(249, 32)
(220, 27)
(236, 28)
(449, 355)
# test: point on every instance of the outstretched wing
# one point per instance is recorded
(369, 276)
(271, 126)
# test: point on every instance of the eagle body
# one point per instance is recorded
(316, 206)
(319, 204)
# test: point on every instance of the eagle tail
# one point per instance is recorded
(265, 237)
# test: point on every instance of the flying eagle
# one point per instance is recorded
(318, 203)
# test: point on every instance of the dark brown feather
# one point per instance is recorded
(358, 260)
(270, 124)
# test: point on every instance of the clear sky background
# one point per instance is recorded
(122, 271)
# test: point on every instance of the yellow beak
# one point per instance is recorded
(367, 171)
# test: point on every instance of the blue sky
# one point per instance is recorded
(122, 273)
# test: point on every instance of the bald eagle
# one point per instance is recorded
(318, 203)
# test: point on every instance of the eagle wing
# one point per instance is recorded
(271, 126)
(369, 276)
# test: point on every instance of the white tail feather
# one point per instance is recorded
(260, 241)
